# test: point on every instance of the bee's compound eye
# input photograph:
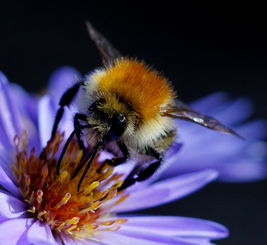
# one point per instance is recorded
(118, 124)
(121, 118)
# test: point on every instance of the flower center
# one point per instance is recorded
(54, 198)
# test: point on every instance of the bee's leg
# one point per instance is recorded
(139, 173)
(130, 179)
(65, 100)
(64, 151)
(78, 130)
(119, 160)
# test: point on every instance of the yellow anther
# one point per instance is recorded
(61, 226)
(121, 199)
(96, 205)
(120, 221)
(63, 175)
(107, 223)
(73, 221)
(107, 173)
(91, 187)
(91, 227)
(111, 194)
(27, 179)
(32, 210)
(73, 227)
(39, 194)
(64, 200)
(41, 214)
(117, 184)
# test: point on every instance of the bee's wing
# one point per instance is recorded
(108, 53)
(181, 111)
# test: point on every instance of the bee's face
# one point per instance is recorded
(107, 120)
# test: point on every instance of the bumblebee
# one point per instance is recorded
(127, 108)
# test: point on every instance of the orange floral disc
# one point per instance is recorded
(54, 198)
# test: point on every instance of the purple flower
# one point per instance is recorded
(40, 207)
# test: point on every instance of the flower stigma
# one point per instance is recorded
(54, 199)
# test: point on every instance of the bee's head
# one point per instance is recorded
(111, 117)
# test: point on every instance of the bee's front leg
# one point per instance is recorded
(77, 126)
(119, 160)
(65, 100)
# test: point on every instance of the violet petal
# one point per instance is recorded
(7, 183)
(242, 171)
(175, 226)
(10, 207)
(40, 233)
(166, 191)
(46, 114)
(209, 102)
(12, 231)
(9, 111)
(111, 238)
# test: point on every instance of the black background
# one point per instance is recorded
(200, 47)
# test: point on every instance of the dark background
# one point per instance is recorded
(201, 48)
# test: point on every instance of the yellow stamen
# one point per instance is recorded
(64, 200)
(32, 210)
(41, 214)
(39, 194)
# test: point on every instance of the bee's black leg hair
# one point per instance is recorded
(65, 100)
(77, 126)
(119, 160)
(139, 173)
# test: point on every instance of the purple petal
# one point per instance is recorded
(209, 102)
(12, 231)
(28, 103)
(46, 114)
(62, 79)
(7, 183)
(9, 111)
(136, 238)
(28, 112)
(10, 207)
(166, 191)
(243, 171)
(69, 241)
(175, 226)
(41, 234)
(235, 111)
(256, 129)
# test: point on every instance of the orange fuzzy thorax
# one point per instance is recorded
(137, 84)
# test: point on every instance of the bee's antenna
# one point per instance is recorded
(108, 53)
